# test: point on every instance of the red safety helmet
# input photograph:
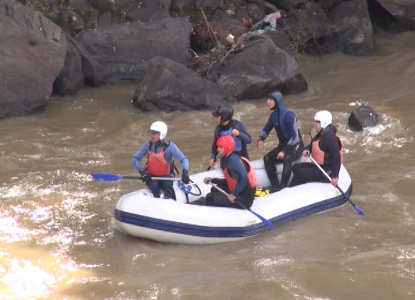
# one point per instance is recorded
(227, 142)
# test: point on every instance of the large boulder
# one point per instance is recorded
(402, 10)
(125, 49)
(32, 54)
(93, 71)
(259, 69)
(351, 30)
(170, 86)
(71, 79)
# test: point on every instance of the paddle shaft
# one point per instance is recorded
(265, 221)
(153, 178)
(341, 191)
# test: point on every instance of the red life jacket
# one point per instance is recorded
(319, 155)
(252, 178)
(157, 164)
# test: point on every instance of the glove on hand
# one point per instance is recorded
(185, 176)
(145, 176)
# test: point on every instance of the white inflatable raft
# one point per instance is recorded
(165, 220)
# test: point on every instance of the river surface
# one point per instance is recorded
(57, 235)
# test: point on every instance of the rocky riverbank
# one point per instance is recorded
(183, 54)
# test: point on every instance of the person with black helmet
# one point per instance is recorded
(326, 150)
(290, 143)
(160, 152)
(229, 127)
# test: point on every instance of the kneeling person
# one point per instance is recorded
(240, 178)
(160, 152)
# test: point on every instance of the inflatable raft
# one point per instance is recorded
(186, 221)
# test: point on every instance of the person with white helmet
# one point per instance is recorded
(227, 126)
(325, 148)
(160, 153)
(290, 143)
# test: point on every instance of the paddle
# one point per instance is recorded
(265, 221)
(113, 177)
(344, 195)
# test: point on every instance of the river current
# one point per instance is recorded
(57, 235)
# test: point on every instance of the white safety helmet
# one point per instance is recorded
(159, 127)
(324, 117)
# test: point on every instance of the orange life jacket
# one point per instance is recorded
(319, 155)
(157, 164)
(252, 178)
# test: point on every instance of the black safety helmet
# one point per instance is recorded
(225, 112)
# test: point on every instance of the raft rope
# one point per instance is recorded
(187, 189)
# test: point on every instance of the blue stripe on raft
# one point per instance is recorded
(226, 232)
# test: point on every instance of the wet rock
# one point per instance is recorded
(71, 79)
(125, 49)
(403, 11)
(259, 69)
(170, 86)
(363, 117)
(93, 71)
(32, 54)
(148, 10)
(351, 30)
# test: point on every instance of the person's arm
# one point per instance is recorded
(214, 151)
(334, 150)
(238, 170)
(243, 133)
(139, 155)
(266, 130)
(177, 154)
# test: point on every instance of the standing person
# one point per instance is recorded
(160, 152)
(240, 178)
(229, 127)
(290, 143)
(325, 148)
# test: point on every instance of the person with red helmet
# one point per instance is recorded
(228, 126)
(240, 178)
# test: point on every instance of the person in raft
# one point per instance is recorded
(325, 148)
(160, 152)
(240, 178)
(290, 143)
(227, 126)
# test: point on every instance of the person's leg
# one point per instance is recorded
(246, 198)
(269, 164)
(154, 187)
(167, 188)
(306, 172)
(217, 199)
(289, 158)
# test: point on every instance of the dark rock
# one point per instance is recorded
(209, 5)
(316, 20)
(402, 10)
(363, 117)
(351, 30)
(259, 69)
(124, 50)
(71, 79)
(32, 54)
(222, 17)
(170, 86)
(104, 20)
(92, 70)
(149, 10)
(180, 4)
